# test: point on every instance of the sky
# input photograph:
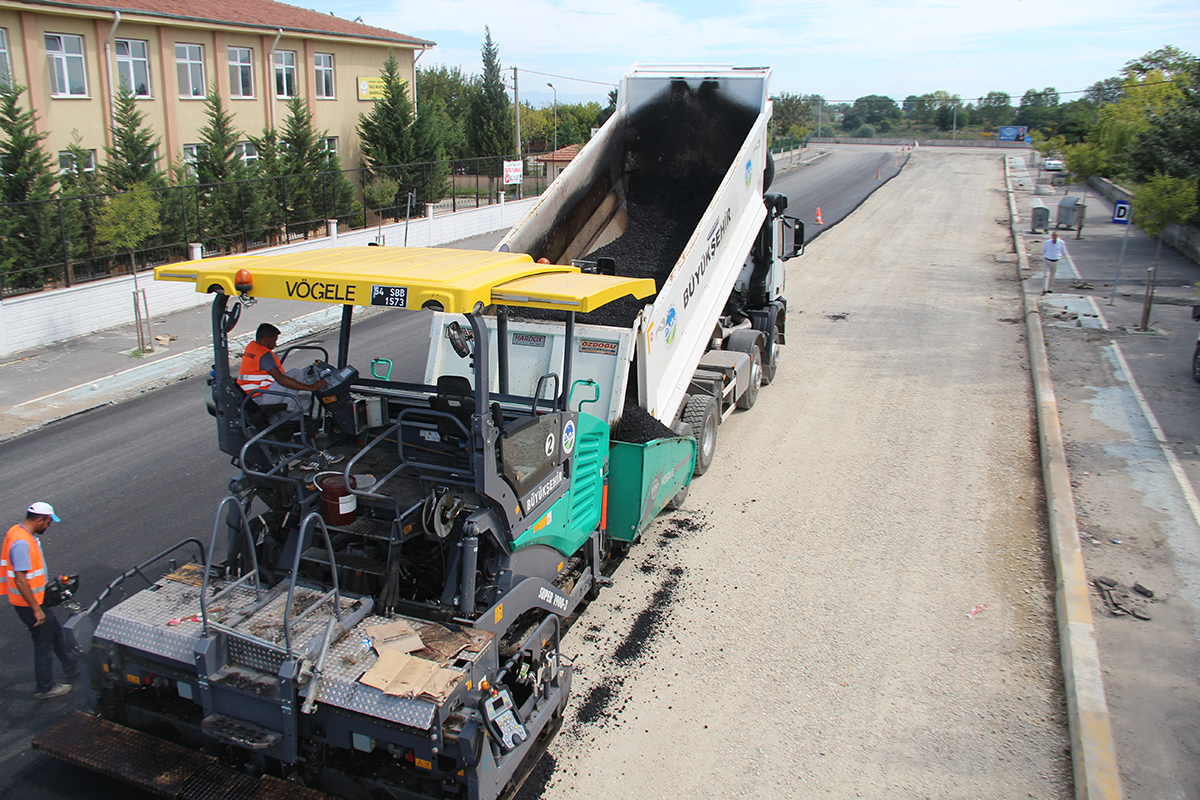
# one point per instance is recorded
(839, 49)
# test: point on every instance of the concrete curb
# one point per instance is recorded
(1093, 751)
(33, 414)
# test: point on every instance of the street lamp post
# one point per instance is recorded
(551, 85)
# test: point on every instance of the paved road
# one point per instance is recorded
(132, 479)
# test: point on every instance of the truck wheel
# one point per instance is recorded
(750, 396)
(702, 414)
(675, 503)
(1196, 364)
(770, 364)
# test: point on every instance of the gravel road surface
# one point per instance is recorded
(856, 599)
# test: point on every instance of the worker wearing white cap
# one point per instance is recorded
(23, 577)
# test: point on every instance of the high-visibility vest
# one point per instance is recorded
(251, 376)
(36, 576)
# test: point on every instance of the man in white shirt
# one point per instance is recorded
(1052, 252)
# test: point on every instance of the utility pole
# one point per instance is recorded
(517, 109)
(551, 85)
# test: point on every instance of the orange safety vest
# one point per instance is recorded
(37, 567)
(251, 376)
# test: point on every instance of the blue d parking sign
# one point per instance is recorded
(1122, 212)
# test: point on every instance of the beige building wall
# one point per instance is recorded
(176, 117)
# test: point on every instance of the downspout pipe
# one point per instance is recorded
(108, 68)
(416, 58)
(270, 79)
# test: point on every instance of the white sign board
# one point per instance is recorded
(512, 172)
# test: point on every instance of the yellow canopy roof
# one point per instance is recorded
(409, 277)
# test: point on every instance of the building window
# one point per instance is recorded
(241, 72)
(285, 73)
(248, 152)
(66, 161)
(325, 75)
(329, 145)
(191, 155)
(67, 75)
(189, 63)
(5, 61)
(133, 66)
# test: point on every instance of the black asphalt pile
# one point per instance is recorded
(680, 147)
(638, 427)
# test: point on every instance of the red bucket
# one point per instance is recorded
(338, 505)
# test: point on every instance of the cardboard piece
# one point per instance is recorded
(397, 635)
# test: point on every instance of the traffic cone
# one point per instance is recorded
(819, 216)
(878, 174)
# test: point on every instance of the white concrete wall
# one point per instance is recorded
(42, 318)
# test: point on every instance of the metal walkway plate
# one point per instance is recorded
(156, 765)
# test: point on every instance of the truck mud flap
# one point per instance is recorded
(155, 765)
(641, 479)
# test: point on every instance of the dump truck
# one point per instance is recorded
(390, 626)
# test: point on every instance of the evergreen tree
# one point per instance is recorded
(29, 235)
(489, 127)
(303, 159)
(219, 171)
(268, 209)
(81, 195)
(386, 140)
(447, 92)
(133, 156)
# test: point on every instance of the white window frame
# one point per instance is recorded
(324, 77)
(66, 161)
(62, 57)
(191, 155)
(129, 65)
(241, 73)
(5, 61)
(248, 153)
(188, 63)
(329, 144)
(286, 85)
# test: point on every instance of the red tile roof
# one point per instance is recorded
(253, 13)
(567, 153)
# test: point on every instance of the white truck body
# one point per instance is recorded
(584, 209)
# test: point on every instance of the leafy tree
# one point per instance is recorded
(1120, 124)
(865, 132)
(133, 156)
(1171, 62)
(995, 109)
(609, 109)
(874, 108)
(1106, 91)
(851, 121)
(1039, 109)
(947, 116)
(447, 92)
(1159, 203)
(380, 193)
(28, 235)
(489, 126)
(1076, 120)
(1171, 143)
(129, 219)
(920, 108)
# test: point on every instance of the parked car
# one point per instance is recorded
(1053, 165)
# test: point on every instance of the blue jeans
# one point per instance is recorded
(48, 642)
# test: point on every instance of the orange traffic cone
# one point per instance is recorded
(878, 174)
(819, 216)
(895, 162)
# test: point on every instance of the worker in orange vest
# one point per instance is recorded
(23, 574)
(260, 371)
